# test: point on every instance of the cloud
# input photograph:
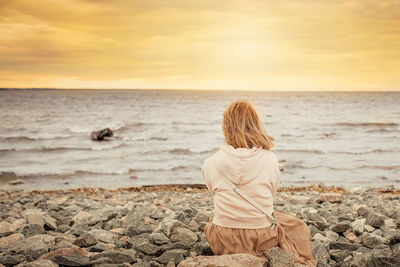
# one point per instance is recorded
(208, 44)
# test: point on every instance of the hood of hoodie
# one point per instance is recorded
(240, 165)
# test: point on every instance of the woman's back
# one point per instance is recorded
(255, 171)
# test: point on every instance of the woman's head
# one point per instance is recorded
(242, 127)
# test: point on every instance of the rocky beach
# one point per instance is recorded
(163, 226)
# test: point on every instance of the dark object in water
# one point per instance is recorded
(100, 135)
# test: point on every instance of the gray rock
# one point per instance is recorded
(159, 238)
(344, 245)
(320, 251)
(340, 227)
(358, 226)
(50, 222)
(103, 235)
(167, 226)
(11, 259)
(35, 246)
(144, 245)
(42, 263)
(279, 258)
(135, 220)
(32, 229)
(117, 256)
(176, 245)
(362, 211)
(68, 256)
(183, 234)
(85, 240)
(317, 220)
(339, 255)
(332, 236)
(175, 255)
(372, 240)
(375, 219)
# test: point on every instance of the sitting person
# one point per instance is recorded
(243, 176)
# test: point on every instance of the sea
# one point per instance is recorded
(164, 136)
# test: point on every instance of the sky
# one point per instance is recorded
(310, 45)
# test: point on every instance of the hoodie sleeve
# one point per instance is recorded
(206, 178)
(276, 175)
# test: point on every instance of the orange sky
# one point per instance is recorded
(202, 44)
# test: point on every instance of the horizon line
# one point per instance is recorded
(199, 89)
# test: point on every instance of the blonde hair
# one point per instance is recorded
(243, 128)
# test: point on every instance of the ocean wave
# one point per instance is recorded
(365, 152)
(34, 138)
(59, 149)
(313, 151)
(180, 151)
(368, 124)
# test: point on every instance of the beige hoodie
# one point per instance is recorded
(255, 171)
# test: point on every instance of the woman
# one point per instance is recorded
(245, 161)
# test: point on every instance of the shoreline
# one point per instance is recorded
(196, 188)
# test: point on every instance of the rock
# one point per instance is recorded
(11, 260)
(35, 246)
(102, 134)
(16, 182)
(320, 252)
(159, 238)
(175, 255)
(350, 236)
(41, 263)
(68, 256)
(332, 236)
(50, 222)
(202, 217)
(99, 247)
(176, 245)
(298, 200)
(340, 227)
(277, 257)
(338, 254)
(344, 245)
(183, 234)
(362, 211)
(8, 241)
(378, 257)
(375, 219)
(32, 229)
(85, 240)
(317, 220)
(320, 238)
(232, 260)
(167, 226)
(372, 240)
(80, 216)
(136, 221)
(144, 245)
(103, 235)
(35, 218)
(330, 197)
(358, 226)
(193, 226)
(5, 227)
(117, 256)
(369, 228)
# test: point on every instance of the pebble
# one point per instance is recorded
(165, 228)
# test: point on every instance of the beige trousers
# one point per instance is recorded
(291, 234)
